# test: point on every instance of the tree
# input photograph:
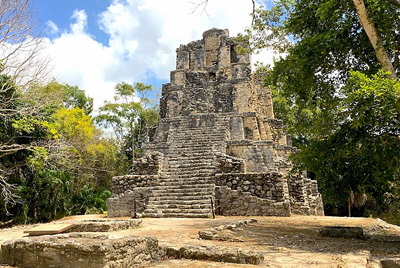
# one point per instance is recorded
(327, 42)
(53, 160)
(20, 65)
(323, 42)
(360, 154)
(129, 116)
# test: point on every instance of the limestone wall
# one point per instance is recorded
(238, 203)
(130, 195)
(149, 164)
(270, 186)
(131, 203)
(229, 164)
(252, 155)
(122, 184)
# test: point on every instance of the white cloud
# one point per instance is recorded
(143, 37)
(52, 27)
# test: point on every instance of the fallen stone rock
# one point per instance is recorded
(217, 254)
(344, 232)
(49, 229)
(390, 263)
(105, 225)
(224, 232)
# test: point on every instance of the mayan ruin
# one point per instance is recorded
(218, 148)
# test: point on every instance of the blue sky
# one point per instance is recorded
(98, 43)
(60, 12)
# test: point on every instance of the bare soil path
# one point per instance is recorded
(284, 241)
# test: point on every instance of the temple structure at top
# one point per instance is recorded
(218, 148)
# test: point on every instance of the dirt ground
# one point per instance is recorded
(284, 241)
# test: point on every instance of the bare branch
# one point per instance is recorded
(202, 4)
(253, 14)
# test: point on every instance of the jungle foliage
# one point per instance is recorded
(54, 161)
(328, 87)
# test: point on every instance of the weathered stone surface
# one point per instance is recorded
(345, 232)
(104, 225)
(48, 229)
(217, 147)
(80, 251)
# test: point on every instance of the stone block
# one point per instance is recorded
(344, 232)
(80, 251)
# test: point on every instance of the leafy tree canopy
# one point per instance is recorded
(341, 110)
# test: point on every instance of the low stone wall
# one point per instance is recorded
(270, 186)
(129, 204)
(238, 203)
(81, 251)
(122, 184)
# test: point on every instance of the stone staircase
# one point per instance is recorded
(186, 185)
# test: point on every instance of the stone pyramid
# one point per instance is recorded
(218, 148)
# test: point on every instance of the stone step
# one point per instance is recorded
(188, 170)
(183, 132)
(183, 186)
(183, 181)
(201, 138)
(185, 165)
(187, 128)
(216, 129)
(186, 153)
(181, 202)
(178, 191)
(180, 197)
(164, 178)
(179, 211)
(210, 143)
(179, 194)
(205, 145)
(189, 160)
(187, 177)
(191, 139)
(177, 215)
(178, 206)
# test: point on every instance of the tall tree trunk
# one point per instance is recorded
(374, 38)
(349, 206)
(133, 143)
